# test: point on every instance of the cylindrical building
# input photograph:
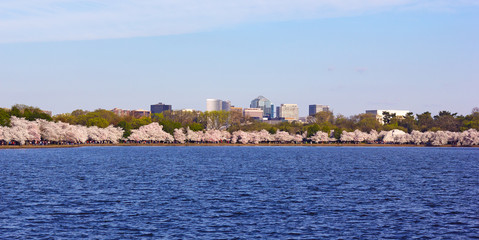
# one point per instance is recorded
(213, 105)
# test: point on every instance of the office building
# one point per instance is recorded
(226, 105)
(256, 113)
(315, 108)
(288, 112)
(217, 105)
(159, 108)
(140, 113)
(265, 104)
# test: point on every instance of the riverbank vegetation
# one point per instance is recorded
(102, 126)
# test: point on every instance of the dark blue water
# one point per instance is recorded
(239, 192)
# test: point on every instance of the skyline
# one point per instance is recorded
(350, 55)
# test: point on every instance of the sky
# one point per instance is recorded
(353, 55)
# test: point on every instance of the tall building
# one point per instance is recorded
(315, 108)
(217, 105)
(159, 108)
(380, 114)
(226, 105)
(213, 105)
(288, 112)
(265, 104)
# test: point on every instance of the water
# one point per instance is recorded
(239, 192)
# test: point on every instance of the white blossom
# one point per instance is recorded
(179, 135)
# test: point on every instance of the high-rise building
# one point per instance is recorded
(315, 108)
(159, 108)
(213, 105)
(288, 112)
(226, 105)
(265, 104)
(217, 105)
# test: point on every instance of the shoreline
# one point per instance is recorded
(222, 145)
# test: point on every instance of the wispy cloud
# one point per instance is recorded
(58, 20)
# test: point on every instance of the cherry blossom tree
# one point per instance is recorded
(469, 138)
(151, 132)
(320, 137)
(23, 130)
(242, 137)
(283, 137)
(347, 136)
(179, 135)
(193, 136)
(114, 134)
(394, 136)
(372, 136)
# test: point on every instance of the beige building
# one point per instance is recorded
(141, 113)
(288, 112)
(253, 113)
(121, 112)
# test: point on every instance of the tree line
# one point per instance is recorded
(43, 132)
(233, 121)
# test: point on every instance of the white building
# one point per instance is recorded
(213, 105)
(288, 112)
(380, 116)
(217, 105)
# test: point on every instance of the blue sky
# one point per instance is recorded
(63, 55)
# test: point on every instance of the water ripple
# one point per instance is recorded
(239, 193)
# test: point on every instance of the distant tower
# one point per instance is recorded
(288, 111)
(226, 106)
(265, 105)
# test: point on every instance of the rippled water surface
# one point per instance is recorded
(239, 192)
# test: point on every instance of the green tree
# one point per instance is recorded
(388, 118)
(323, 117)
(214, 119)
(64, 117)
(126, 126)
(471, 121)
(4, 117)
(425, 121)
(138, 122)
(97, 121)
(368, 122)
(447, 121)
(195, 127)
(15, 111)
(409, 122)
(345, 123)
(312, 129)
